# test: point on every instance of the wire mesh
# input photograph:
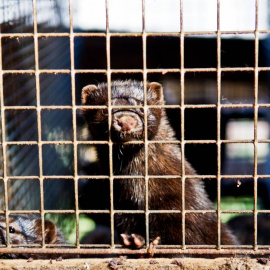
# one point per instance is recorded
(35, 35)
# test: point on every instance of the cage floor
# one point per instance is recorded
(160, 263)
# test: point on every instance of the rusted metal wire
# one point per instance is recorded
(74, 125)
(135, 176)
(199, 250)
(3, 139)
(256, 82)
(218, 126)
(36, 52)
(182, 89)
(129, 71)
(108, 58)
(182, 71)
(147, 34)
(146, 177)
(134, 211)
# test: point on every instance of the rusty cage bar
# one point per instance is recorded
(74, 142)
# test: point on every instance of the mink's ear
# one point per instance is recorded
(87, 91)
(50, 231)
(156, 91)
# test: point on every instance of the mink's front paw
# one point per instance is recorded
(133, 240)
(137, 241)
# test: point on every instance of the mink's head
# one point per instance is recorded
(127, 124)
(26, 229)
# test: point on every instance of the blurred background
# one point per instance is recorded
(163, 52)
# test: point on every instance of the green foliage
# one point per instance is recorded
(241, 203)
(67, 224)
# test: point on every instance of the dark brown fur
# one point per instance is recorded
(163, 159)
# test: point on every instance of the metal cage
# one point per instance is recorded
(37, 37)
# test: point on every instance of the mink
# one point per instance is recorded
(26, 230)
(127, 125)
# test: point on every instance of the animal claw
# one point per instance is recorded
(134, 240)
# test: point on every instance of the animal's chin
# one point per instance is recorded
(126, 136)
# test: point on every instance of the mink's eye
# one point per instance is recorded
(11, 229)
(104, 111)
(141, 110)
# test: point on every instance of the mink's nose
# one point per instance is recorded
(127, 123)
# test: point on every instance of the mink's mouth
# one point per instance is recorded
(126, 126)
(126, 137)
